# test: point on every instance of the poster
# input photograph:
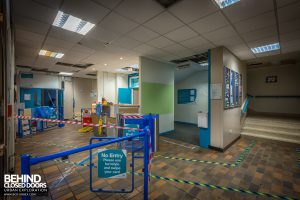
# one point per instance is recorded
(227, 86)
(232, 88)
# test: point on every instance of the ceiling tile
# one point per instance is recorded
(77, 48)
(286, 2)
(290, 46)
(181, 34)
(117, 23)
(203, 48)
(24, 60)
(237, 48)
(102, 34)
(31, 37)
(235, 40)
(247, 8)
(92, 44)
(126, 43)
(86, 10)
(62, 34)
(142, 34)
(178, 50)
(60, 68)
(164, 23)
(45, 62)
(160, 42)
(108, 3)
(289, 26)
(209, 23)
(194, 42)
(270, 31)
(25, 51)
(191, 10)
(57, 45)
(74, 57)
(290, 36)
(263, 42)
(288, 13)
(222, 33)
(139, 10)
(55, 4)
(258, 22)
(31, 25)
(144, 49)
(33, 10)
(270, 53)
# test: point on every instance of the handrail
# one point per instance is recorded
(274, 96)
(245, 107)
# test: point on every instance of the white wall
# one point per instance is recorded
(287, 85)
(225, 124)
(232, 117)
(108, 84)
(188, 112)
(151, 72)
(79, 89)
(83, 90)
(41, 81)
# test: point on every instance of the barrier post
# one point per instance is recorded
(20, 130)
(25, 170)
(146, 163)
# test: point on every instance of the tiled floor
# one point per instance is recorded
(188, 133)
(269, 167)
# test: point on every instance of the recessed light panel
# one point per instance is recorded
(50, 54)
(65, 73)
(71, 23)
(266, 48)
(225, 3)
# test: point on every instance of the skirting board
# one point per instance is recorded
(166, 133)
(225, 148)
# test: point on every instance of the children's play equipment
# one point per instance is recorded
(143, 135)
(26, 127)
(86, 118)
(39, 103)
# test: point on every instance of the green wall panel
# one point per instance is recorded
(157, 98)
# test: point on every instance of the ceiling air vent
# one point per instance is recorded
(81, 66)
(167, 3)
(23, 66)
(255, 64)
(43, 70)
(64, 64)
(92, 74)
(130, 69)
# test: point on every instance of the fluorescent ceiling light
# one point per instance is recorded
(225, 3)
(66, 73)
(50, 54)
(204, 64)
(266, 48)
(71, 23)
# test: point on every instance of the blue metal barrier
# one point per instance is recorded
(27, 161)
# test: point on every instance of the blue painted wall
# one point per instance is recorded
(124, 96)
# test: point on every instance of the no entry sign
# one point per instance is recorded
(112, 163)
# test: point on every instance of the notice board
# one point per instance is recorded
(232, 88)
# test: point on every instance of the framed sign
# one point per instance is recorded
(112, 163)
